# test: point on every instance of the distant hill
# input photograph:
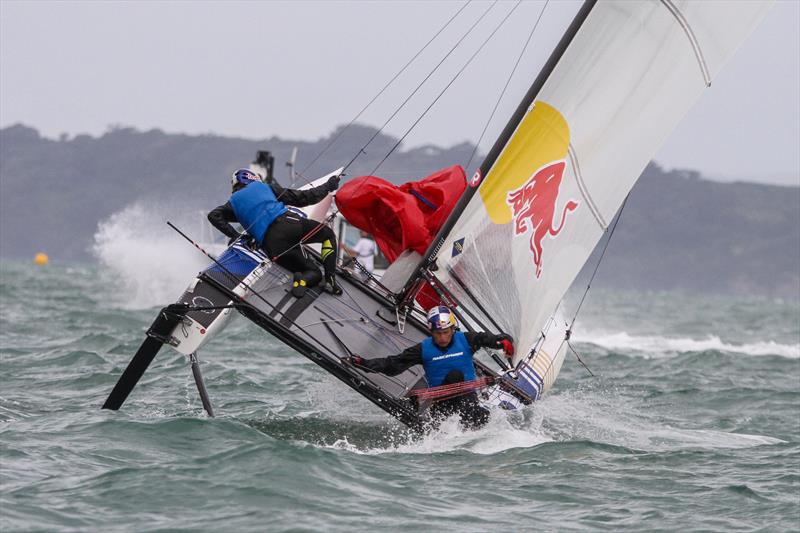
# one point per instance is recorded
(677, 232)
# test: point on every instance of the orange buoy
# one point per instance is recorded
(41, 259)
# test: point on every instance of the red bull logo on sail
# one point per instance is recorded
(525, 180)
(533, 207)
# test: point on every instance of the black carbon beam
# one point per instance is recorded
(201, 385)
(157, 336)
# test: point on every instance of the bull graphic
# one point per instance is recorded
(533, 206)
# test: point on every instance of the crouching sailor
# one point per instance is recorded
(446, 357)
(260, 207)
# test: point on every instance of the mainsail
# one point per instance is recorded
(618, 83)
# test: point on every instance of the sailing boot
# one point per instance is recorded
(299, 285)
(329, 265)
(332, 287)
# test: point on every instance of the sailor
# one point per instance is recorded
(447, 359)
(260, 208)
(363, 251)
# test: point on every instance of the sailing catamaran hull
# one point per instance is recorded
(320, 326)
(239, 270)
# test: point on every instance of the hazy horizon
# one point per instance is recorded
(254, 70)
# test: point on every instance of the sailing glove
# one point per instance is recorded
(332, 184)
(356, 360)
(506, 343)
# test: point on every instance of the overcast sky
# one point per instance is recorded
(298, 69)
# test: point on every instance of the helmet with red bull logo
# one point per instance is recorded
(440, 318)
(245, 176)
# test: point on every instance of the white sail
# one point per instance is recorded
(630, 73)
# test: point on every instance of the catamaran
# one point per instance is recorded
(618, 82)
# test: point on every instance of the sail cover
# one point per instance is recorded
(616, 88)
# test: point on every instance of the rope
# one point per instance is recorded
(449, 391)
(313, 231)
(448, 85)
(252, 291)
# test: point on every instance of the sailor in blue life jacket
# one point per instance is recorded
(446, 357)
(260, 208)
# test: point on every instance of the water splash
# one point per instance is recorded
(148, 263)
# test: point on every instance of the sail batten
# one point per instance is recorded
(690, 34)
(573, 158)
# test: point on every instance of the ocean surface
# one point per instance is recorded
(692, 422)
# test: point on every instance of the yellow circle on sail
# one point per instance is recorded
(541, 138)
(41, 259)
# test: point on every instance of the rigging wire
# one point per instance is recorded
(589, 285)
(448, 85)
(372, 138)
(361, 150)
(508, 81)
(358, 115)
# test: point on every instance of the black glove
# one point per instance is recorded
(332, 184)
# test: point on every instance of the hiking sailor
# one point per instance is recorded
(260, 208)
(446, 357)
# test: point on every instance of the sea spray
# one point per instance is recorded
(146, 262)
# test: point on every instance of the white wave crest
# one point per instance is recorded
(505, 430)
(497, 436)
(654, 345)
(150, 263)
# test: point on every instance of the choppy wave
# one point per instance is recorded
(710, 441)
(591, 418)
(655, 345)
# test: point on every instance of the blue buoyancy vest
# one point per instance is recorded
(256, 208)
(438, 362)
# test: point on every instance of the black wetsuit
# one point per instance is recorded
(287, 230)
(467, 406)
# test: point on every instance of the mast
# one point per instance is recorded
(497, 148)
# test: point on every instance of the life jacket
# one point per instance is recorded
(438, 362)
(256, 208)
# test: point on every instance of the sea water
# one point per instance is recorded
(691, 421)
